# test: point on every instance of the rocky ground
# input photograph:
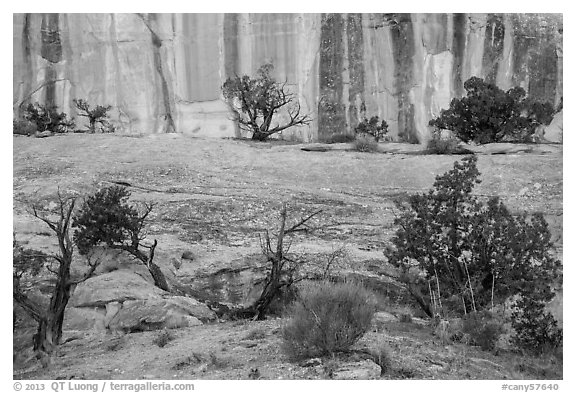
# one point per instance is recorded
(213, 199)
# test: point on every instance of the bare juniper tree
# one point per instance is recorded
(281, 267)
(28, 263)
(256, 101)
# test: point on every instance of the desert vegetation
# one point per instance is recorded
(328, 318)
(374, 127)
(488, 114)
(29, 263)
(44, 120)
(431, 257)
(47, 118)
(256, 102)
(97, 115)
(443, 252)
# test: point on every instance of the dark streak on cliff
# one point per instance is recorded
(493, 47)
(166, 97)
(27, 58)
(51, 45)
(231, 56)
(458, 47)
(542, 67)
(117, 76)
(356, 67)
(331, 117)
(403, 47)
(51, 50)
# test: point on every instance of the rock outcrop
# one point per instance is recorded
(553, 132)
(169, 313)
(123, 300)
(163, 72)
(118, 286)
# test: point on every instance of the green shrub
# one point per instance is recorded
(372, 128)
(469, 250)
(365, 144)
(23, 127)
(483, 329)
(405, 318)
(328, 318)
(163, 338)
(536, 330)
(107, 219)
(99, 114)
(47, 118)
(441, 145)
(381, 356)
(488, 114)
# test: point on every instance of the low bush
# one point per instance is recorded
(163, 338)
(328, 318)
(23, 127)
(47, 118)
(405, 318)
(442, 145)
(483, 329)
(372, 127)
(536, 330)
(381, 356)
(365, 144)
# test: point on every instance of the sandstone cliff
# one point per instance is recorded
(163, 72)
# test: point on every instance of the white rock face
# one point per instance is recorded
(163, 72)
(118, 286)
(553, 131)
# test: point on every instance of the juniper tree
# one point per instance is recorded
(106, 218)
(28, 264)
(256, 102)
(475, 252)
(97, 115)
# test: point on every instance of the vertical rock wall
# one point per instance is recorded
(163, 72)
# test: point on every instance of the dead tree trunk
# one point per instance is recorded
(51, 319)
(148, 261)
(272, 287)
(278, 258)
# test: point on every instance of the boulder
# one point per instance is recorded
(553, 131)
(365, 369)
(117, 286)
(82, 318)
(240, 283)
(382, 317)
(169, 313)
(192, 307)
(43, 134)
(188, 255)
(112, 309)
(24, 127)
